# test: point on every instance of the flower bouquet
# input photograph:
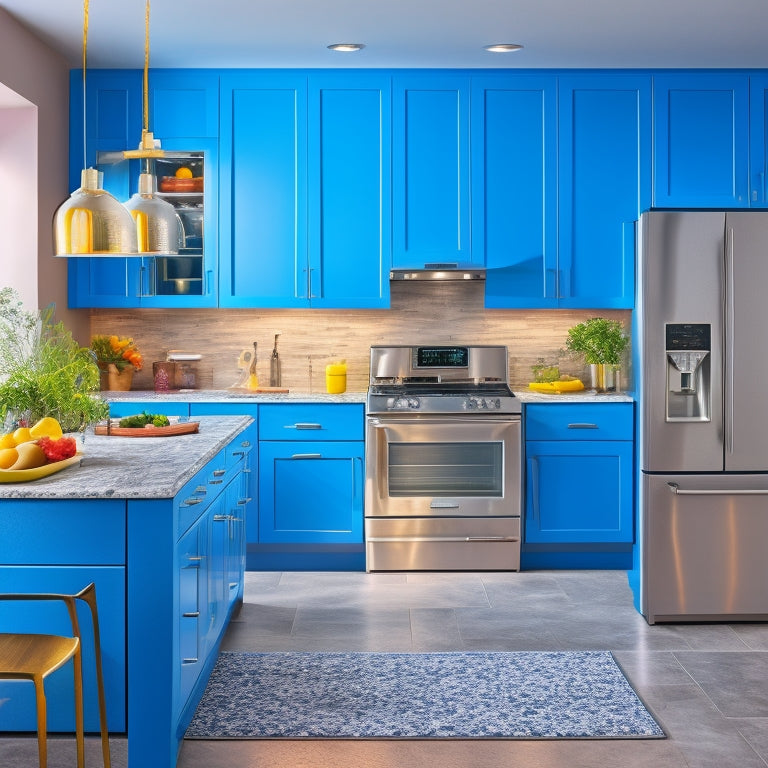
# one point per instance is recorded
(117, 359)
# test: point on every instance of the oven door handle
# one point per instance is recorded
(463, 539)
(377, 423)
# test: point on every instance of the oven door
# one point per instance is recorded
(443, 466)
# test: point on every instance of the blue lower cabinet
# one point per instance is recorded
(579, 499)
(311, 492)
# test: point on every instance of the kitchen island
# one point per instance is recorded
(158, 524)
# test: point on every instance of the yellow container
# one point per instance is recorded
(336, 378)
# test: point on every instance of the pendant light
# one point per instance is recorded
(159, 228)
(91, 222)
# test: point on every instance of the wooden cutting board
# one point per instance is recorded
(182, 428)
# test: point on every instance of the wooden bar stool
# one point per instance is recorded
(26, 656)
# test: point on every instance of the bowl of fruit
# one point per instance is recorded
(29, 453)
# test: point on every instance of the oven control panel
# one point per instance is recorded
(471, 403)
(483, 403)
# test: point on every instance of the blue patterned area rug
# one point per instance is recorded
(525, 695)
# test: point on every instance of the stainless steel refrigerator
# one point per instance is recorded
(702, 371)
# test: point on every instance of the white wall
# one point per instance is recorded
(40, 77)
(18, 196)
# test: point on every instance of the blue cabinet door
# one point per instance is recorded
(514, 188)
(113, 119)
(250, 478)
(701, 140)
(604, 167)
(311, 492)
(758, 140)
(349, 190)
(263, 191)
(184, 102)
(579, 492)
(430, 161)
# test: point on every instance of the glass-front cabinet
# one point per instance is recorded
(186, 177)
(185, 278)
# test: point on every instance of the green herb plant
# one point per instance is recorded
(599, 339)
(44, 371)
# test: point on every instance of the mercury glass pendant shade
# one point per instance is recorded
(91, 222)
(158, 226)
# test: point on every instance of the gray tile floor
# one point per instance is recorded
(706, 683)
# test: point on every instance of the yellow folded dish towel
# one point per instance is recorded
(556, 387)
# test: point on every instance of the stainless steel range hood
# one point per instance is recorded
(440, 271)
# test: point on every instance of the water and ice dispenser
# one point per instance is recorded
(688, 371)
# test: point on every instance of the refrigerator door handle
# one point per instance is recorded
(730, 304)
(675, 488)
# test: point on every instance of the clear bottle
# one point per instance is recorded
(274, 366)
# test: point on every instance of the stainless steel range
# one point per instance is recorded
(443, 462)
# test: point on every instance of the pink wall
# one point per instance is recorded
(41, 76)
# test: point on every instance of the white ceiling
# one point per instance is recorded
(406, 33)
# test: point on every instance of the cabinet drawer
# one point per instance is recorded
(587, 421)
(311, 421)
(62, 532)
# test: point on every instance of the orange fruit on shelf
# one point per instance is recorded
(183, 173)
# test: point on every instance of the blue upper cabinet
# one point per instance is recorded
(758, 137)
(305, 190)
(263, 225)
(514, 188)
(430, 169)
(604, 171)
(113, 118)
(350, 191)
(701, 140)
(184, 103)
(561, 170)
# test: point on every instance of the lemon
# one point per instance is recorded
(8, 457)
(46, 427)
(7, 441)
(183, 173)
(22, 435)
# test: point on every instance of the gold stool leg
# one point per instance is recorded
(42, 726)
(79, 726)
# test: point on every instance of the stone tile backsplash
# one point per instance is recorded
(444, 313)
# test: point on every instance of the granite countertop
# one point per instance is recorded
(233, 396)
(134, 467)
(585, 396)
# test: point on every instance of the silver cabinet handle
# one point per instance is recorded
(675, 488)
(730, 320)
(444, 505)
(304, 425)
(190, 661)
(190, 502)
(582, 425)
(191, 615)
(307, 456)
(219, 472)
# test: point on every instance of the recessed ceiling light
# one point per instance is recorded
(503, 47)
(346, 47)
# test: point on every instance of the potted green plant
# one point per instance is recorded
(602, 343)
(44, 371)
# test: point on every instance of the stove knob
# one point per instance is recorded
(413, 402)
(492, 404)
(400, 402)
